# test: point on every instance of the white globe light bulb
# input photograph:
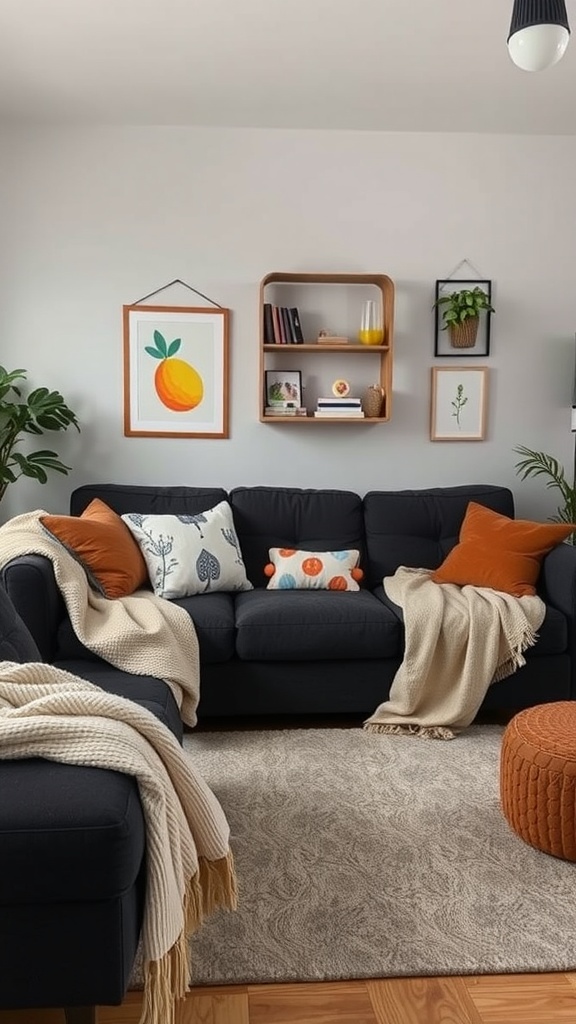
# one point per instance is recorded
(538, 47)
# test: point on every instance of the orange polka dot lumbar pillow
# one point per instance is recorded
(290, 569)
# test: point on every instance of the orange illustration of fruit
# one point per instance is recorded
(286, 552)
(312, 566)
(337, 583)
(178, 385)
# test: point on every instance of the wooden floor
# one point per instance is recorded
(485, 999)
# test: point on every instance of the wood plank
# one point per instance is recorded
(571, 978)
(523, 998)
(419, 1000)
(345, 1002)
(218, 1008)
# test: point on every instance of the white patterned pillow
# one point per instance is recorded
(190, 554)
(290, 569)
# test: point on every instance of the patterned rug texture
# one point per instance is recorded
(364, 855)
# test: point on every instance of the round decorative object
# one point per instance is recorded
(372, 400)
(538, 777)
(340, 388)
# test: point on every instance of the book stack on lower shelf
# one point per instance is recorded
(345, 408)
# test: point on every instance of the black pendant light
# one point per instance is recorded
(539, 33)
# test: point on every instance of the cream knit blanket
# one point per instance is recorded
(457, 641)
(142, 634)
(46, 712)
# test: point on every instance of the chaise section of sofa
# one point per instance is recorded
(72, 852)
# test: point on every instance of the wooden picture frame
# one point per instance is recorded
(459, 398)
(443, 347)
(176, 371)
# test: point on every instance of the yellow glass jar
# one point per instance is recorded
(371, 330)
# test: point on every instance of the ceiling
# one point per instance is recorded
(388, 65)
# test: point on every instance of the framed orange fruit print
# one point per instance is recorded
(175, 371)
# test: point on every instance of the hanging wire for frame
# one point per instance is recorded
(169, 285)
(480, 276)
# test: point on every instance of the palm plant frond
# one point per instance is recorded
(541, 464)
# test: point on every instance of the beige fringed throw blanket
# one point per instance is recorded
(458, 641)
(46, 712)
(142, 634)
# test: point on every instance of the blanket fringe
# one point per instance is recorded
(167, 980)
(425, 732)
(526, 638)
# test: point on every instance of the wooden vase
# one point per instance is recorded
(372, 401)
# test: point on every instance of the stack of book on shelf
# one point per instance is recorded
(282, 325)
(285, 409)
(348, 407)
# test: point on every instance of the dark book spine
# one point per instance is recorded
(269, 338)
(276, 323)
(295, 321)
(286, 325)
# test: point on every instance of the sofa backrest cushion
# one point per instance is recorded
(125, 498)
(290, 517)
(419, 528)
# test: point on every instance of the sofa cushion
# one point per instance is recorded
(214, 622)
(190, 553)
(151, 693)
(498, 552)
(419, 528)
(104, 547)
(552, 635)
(290, 517)
(289, 569)
(213, 618)
(68, 832)
(147, 500)
(305, 625)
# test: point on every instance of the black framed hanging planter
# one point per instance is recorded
(463, 310)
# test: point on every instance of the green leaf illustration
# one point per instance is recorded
(174, 346)
(160, 343)
(153, 352)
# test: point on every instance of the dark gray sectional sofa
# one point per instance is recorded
(311, 652)
(72, 842)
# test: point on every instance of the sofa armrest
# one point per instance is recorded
(557, 587)
(30, 584)
(557, 583)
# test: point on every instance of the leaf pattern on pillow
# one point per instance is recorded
(194, 520)
(230, 536)
(207, 567)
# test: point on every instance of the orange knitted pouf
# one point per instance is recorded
(538, 777)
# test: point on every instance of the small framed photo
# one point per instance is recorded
(283, 388)
(472, 337)
(458, 403)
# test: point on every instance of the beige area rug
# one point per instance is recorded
(364, 855)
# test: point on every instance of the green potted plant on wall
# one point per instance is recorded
(41, 411)
(461, 314)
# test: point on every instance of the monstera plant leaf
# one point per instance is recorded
(41, 411)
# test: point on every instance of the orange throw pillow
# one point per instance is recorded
(498, 552)
(104, 546)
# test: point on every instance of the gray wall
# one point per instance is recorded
(93, 219)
